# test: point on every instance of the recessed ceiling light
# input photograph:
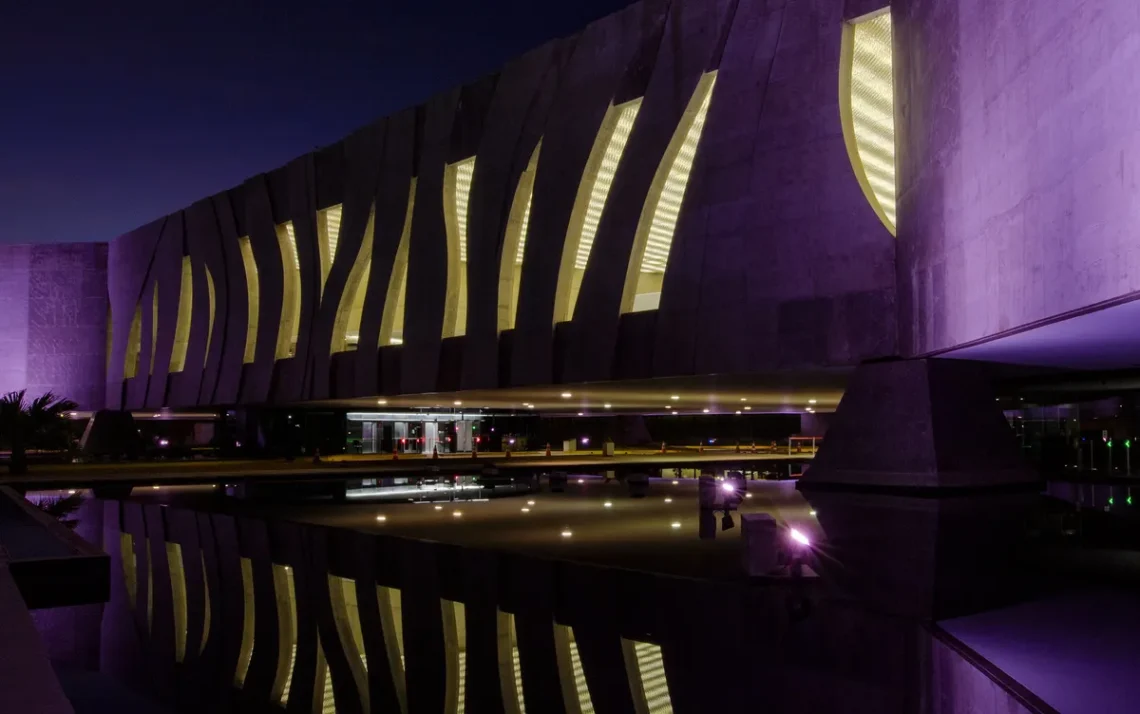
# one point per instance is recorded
(668, 500)
(567, 533)
(811, 401)
(581, 414)
(675, 525)
(381, 402)
(747, 409)
(607, 405)
(738, 411)
(530, 406)
(581, 480)
(566, 395)
(705, 411)
(458, 403)
(608, 504)
(668, 406)
(748, 495)
(439, 508)
(675, 397)
(675, 413)
(381, 518)
(524, 509)
(744, 399)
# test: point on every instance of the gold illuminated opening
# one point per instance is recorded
(575, 690)
(658, 222)
(346, 329)
(392, 321)
(645, 668)
(866, 109)
(455, 644)
(457, 195)
(130, 571)
(594, 189)
(134, 345)
(514, 244)
(185, 313)
(252, 290)
(291, 291)
(346, 613)
(246, 651)
(510, 666)
(328, 235)
(210, 326)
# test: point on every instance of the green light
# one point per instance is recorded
(1111, 500)
(1110, 443)
(1128, 443)
(1128, 500)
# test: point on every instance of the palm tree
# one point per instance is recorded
(38, 424)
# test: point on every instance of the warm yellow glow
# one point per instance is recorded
(392, 626)
(253, 291)
(392, 321)
(575, 690)
(185, 312)
(178, 597)
(455, 650)
(134, 345)
(285, 593)
(291, 292)
(346, 614)
(514, 244)
(328, 235)
(647, 680)
(594, 189)
(658, 222)
(457, 195)
(247, 630)
(210, 326)
(867, 109)
(510, 665)
(346, 329)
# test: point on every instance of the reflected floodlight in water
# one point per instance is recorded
(798, 537)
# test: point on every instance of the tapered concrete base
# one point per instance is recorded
(918, 424)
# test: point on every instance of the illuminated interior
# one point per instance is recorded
(252, 290)
(185, 313)
(328, 235)
(867, 109)
(594, 189)
(134, 345)
(514, 244)
(246, 651)
(648, 684)
(346, 329)
(392, 321)
(212, 300)
(291, 291)
(457, 195)
(658, 221)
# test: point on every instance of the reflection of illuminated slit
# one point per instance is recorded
(648, 683)
(580, 686)
(575, 690)
(246, 651)
(285, 586)
(510, 667)
(455, 644)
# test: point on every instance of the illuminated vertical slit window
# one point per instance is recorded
(575, 690)
(648, 684)
(285, 594)
(153, 328)
(866, 88)
(392, 321)
(246, 651)
(346, 328)
(593, 191)
(185, 314)
(205, 607)
(514, 244)
(455, 643)
(291, 291)
(658, 222)
(326, 695)
(178, 595)
(252, 290)
(328, 235)
(457, 194)
(134, 345)
(210, 326)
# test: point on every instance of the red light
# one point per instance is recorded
(403, 440)
(476, 440)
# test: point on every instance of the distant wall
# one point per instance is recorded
(53, 320)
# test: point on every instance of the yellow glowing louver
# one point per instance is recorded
(514, 243)
(658, 223)
(867, 110)
(328, 235)
(457, 194)
(604, 180)
(464, 170)
(332, 230)
(291, 289)
(654, 684)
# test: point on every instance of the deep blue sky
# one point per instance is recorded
(111, 118)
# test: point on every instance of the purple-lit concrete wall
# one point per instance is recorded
(53, 320)
(778, 261)
(1018, 137)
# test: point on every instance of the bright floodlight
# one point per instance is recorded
(799, 537)
(728, 487)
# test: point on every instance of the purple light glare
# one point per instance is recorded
(728, 487)
(799, 537)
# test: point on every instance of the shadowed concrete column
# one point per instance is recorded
(925, 424)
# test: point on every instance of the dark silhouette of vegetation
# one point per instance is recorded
(37, 424)
(62, 508)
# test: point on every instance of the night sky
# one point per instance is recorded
(111, 119)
